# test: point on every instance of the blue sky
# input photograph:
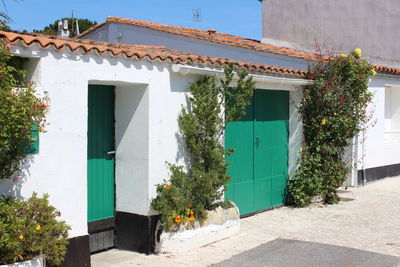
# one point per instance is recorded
(238, 17)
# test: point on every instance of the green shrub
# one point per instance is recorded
(29, 229)
(20, 110)
(188, 194)
(334, 111)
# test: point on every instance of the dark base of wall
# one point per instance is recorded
(135, 232)
(78, 254)
(377, 173)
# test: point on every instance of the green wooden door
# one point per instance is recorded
(260, 140)
(240, 136)
(100, 165)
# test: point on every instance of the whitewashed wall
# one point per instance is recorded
(60, 168)
(375, 151)
(149, 97)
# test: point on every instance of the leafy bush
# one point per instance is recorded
(334, 111)
(20, 110)
(29, 229)
(188, 194)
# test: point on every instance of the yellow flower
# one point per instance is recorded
(38, 227)
(191, 218)
(178, 219)
(373, 72)
(357, 52)
(334, 113)
(343, 55)
(323, 122)
(21, 237)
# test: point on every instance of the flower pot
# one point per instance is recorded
(220, 224)
(37, 262)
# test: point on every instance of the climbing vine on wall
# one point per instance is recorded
(20, 110)
(334, 111)
(212, 103)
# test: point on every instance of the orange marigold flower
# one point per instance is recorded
(178, 219)
(191, 212)
(191, 218)
(167, 186)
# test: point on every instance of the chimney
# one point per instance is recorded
(63, 29)
(212, 31)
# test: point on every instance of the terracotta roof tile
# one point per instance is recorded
(223, 38)
(142, 52)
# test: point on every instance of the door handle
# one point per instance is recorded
(111, 152)
(257, 141)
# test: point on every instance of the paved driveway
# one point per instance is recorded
(368, 219)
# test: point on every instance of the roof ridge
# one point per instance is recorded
(221, 38)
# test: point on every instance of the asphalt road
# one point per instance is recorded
(288, 253)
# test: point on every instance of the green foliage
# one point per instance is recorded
(202, 126)
(29, 229)
(334, 111)
(51, 29)
(20, 109)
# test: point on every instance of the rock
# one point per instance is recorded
(215, 216)
(231, 214)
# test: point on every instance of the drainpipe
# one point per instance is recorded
(186, 69)
(363, 181)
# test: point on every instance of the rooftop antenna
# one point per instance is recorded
(196, 16)
(72, 24)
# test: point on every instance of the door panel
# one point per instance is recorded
(240, 137)
(100, 162)
(271, 117)
(259, 165)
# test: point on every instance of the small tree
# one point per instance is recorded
(20, 110)
(189, 193)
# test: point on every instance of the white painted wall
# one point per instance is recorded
(128, 34)
(149, 97)
(60, 168)
(132, 147)
(374, 151)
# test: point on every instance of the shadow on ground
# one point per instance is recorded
(286, 252)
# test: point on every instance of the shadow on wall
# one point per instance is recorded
(12, 187)
(179, 85)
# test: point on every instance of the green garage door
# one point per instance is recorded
(259, 166)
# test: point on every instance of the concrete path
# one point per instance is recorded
(285, 252)
(367, 219)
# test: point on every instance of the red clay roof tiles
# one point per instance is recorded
(222, 38)
(142, 52)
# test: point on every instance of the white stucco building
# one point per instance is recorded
(130, 95)
(375, 152)
(115, 97)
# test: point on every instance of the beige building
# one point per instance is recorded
(342, 25)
